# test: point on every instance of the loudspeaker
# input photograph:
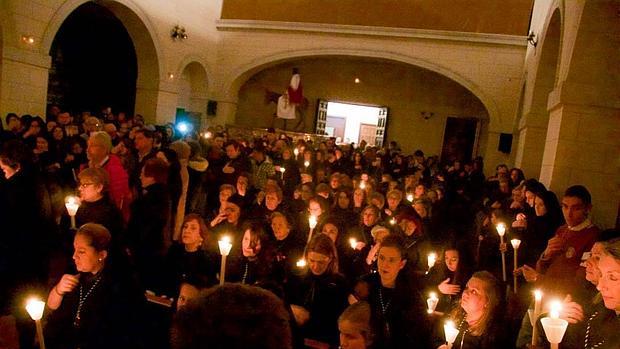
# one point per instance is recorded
(505, 143)
(211, 108)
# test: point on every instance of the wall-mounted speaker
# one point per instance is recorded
(211, 108)
(505, 143)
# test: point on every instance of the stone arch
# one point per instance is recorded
(193, 87)
(241, 74)
(534, 118)
(143, 35)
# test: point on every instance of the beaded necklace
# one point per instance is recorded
(464, 331)
(83, 297)
(587, 339)
(245, 274)
(384, 308)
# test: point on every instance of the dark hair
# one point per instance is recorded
(322, 244)
(156, 168)
(98, 236)
(15, 154)
(394, 241)
(233, 316)
(204, 230)
(580, 192)
(534, 186)
(146, 132)
(10, 116)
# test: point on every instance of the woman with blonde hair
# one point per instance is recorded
(355, 328)
(479, 316)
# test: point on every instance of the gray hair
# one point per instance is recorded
(103, 139)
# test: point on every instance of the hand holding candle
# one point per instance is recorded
(451, 332)
(535, 314)
(515, 246)
(225, 245)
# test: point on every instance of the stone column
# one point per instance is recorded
(583, 147)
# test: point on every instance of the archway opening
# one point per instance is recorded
(192, 99)
(419, 101)
(94, 62)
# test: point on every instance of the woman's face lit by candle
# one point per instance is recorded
(609, 283)
(250, 244)
(539, 207)
(331, 231)
(318, 262)
(190, 234)
(86, 258)
(8, 170)
(452, 259)
(593, 274)
(186, 293)
(474, 299)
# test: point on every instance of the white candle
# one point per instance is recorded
(35, 308)
(353, 243)
(362, 185)
(515, 246)
(301, 263)
(451, 332)
(282, 169)
(225, 245)
(554, 326)
(72, 204)
(312, 222)
(296, 152)
(537, 308)
(410, 197)
(501, 230)
(431, 259)
(431, 302)
(306, 163)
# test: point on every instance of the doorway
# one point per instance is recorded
(459, 140)
(352, 123)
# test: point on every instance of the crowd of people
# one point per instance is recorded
(333, 245)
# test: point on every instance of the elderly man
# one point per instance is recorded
(98, 151)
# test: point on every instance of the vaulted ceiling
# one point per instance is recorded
(509, 17)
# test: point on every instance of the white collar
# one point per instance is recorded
(583, 225)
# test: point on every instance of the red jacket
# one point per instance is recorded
(118, 188)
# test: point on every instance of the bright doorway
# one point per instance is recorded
(352, 123)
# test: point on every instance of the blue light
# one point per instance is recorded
(183, 127)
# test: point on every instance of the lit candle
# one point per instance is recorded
(501, 230)
(301, 263)
(296, 152)
(35, 308)
(362, 185)
(306, 164)
(537, 308)
(207, 135)
(554, 326)
(451, 332)
(225, 245)
(515, 246)
(393, 221)
(312, 222)
(410, 197)
(282, 169)
(353, 243)
(431, 259)
(431, 302)
(72, 204)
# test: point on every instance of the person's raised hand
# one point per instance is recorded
(555, 245)
(530, 274)
(67, 284)
(571, 311)
(449, 289)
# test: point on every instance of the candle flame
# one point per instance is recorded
(538, 295)
(353, 242)
(515, 243)
(301, 263)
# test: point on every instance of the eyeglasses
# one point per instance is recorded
(84, 185)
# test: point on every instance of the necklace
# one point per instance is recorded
(83, 297)
(245, 274)
(465, 331)
(384, 308)
(587, 339)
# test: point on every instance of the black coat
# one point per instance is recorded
(112, 316)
